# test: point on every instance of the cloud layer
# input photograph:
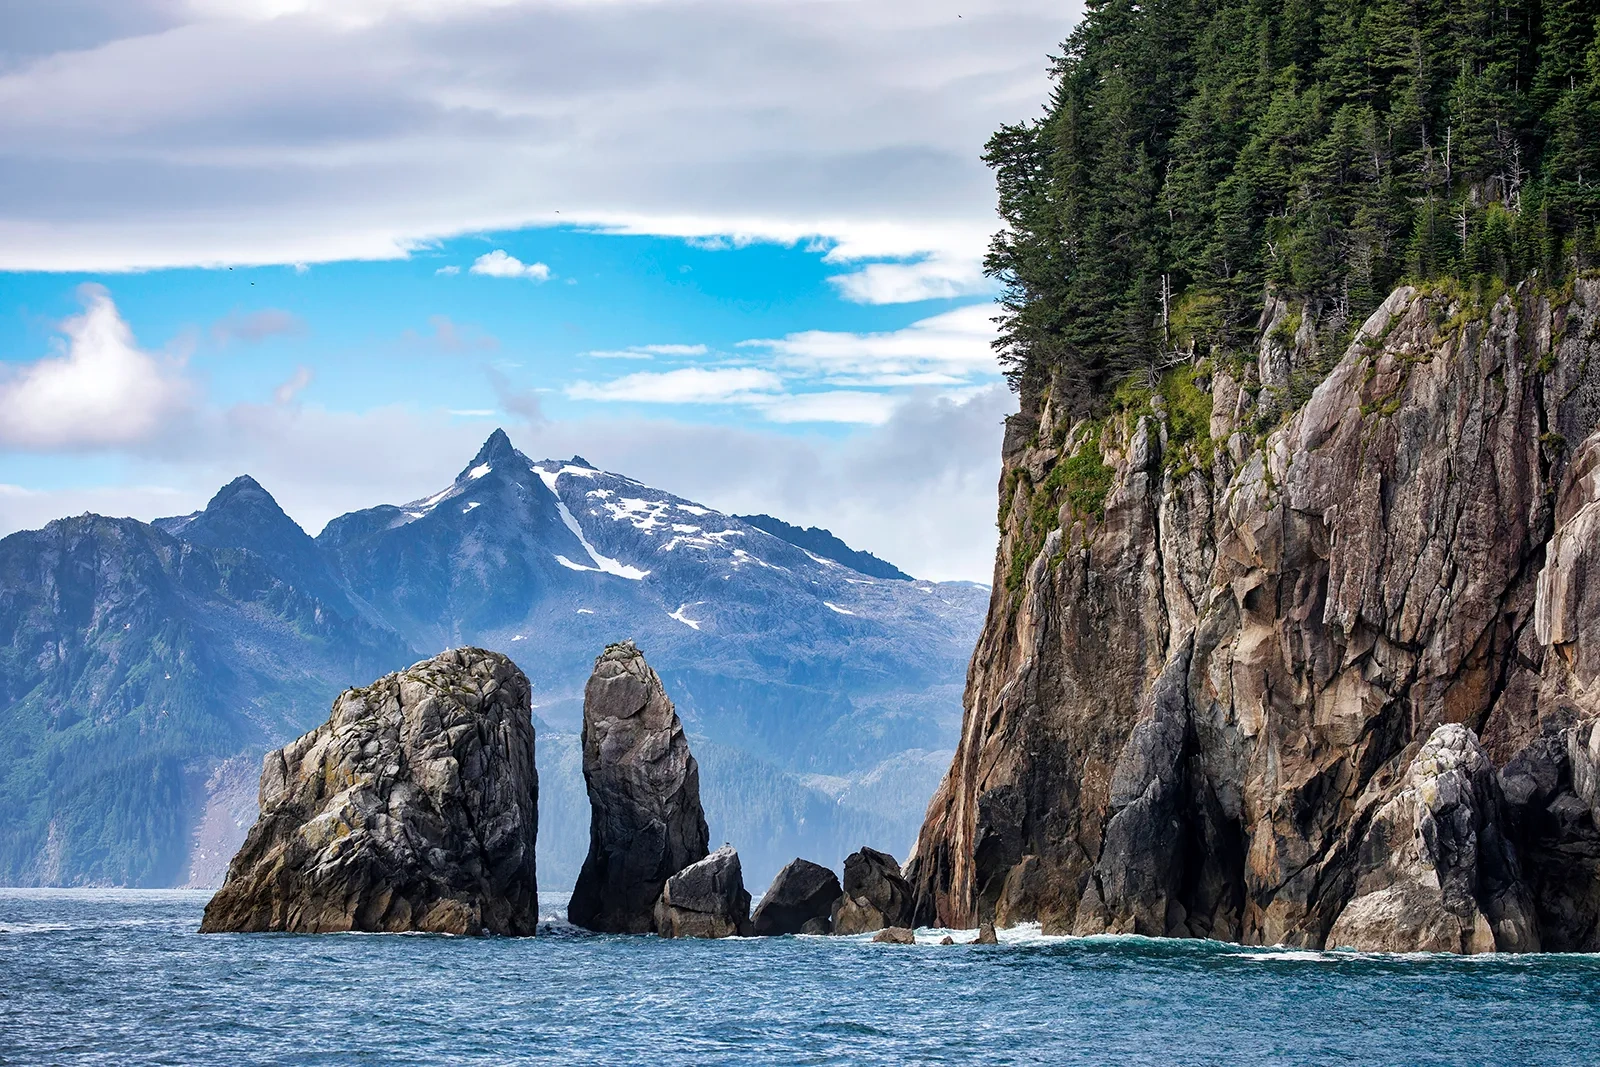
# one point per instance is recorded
(146, 133)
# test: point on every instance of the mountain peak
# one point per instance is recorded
(497, 447)
(244, 485)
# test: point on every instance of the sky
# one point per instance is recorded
(732, 249)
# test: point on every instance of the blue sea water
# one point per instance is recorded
(121, 977)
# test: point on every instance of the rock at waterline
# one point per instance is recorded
(646, 823)
(947, 940)
(876, 895)
(706, 899)
(413, 808)
(1435, 870)
(802, 893)
(895, 935)
(986, 935)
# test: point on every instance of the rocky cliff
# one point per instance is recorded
(414, 807)
(1283, 652)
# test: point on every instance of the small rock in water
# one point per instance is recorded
(895, 935)
(947, 940)
(706, 899)
(817, 926)
(876, 895)
(986, 935)
(802, 893)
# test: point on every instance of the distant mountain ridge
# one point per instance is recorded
(789, 667)
(820, 542)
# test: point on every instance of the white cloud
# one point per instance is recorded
(498, 264)
(687, 385)
(191, 133)
(932, 278)
(944, 349)
(451, 269)
(102, 391)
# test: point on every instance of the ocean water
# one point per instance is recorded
(121, 977)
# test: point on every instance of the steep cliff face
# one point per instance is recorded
(1239, 625)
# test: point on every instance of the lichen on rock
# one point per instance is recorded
(413, 808)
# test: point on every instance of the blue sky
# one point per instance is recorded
(732, 249)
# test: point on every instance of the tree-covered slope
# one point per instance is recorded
(1200, 158)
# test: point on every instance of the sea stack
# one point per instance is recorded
(876, 895)
(706, 899)
(646, 823)
(413, 808)
(802, 893)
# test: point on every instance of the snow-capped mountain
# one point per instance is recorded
(562, 557)
(144, 667)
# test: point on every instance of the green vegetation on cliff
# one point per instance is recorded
(1197, 154)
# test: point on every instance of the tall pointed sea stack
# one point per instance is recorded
(414, 807)
(644, 790)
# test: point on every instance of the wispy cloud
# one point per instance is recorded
(648, 351)
(290, 390)
(256, 326)
(449, 336)
(687, 385)
(945, 349)
(500, 264)
(820, 375)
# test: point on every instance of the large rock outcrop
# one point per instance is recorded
(706, 899)
(1228, 617)
(414, 807)
(646, 823)
(876, 894)
(802, 893)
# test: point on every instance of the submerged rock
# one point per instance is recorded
(1435, 872)
(646, 823)
(875, 896)
(895, 935)
(414, 807)
(706, 899)
(803, 892)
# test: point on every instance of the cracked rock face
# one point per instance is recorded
(1201, 708)
(646, 822)
(413, 808)
(706, 899)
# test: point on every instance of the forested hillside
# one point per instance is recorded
(1201, 157)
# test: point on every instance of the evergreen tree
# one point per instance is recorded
(1198, 155)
